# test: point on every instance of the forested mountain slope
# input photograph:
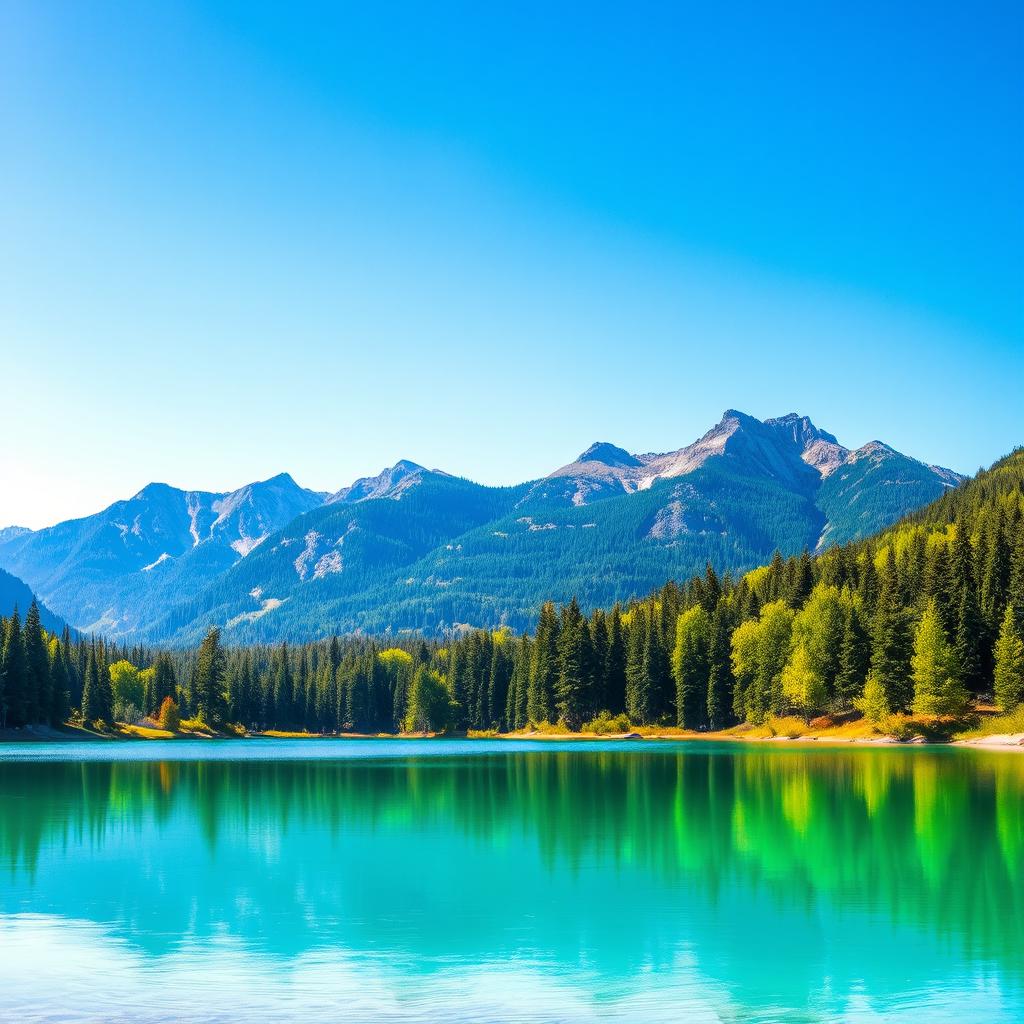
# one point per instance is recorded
(924, 617)
(417, 549)
(16, 594)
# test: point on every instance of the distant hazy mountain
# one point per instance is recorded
(412, 548)
(115, 571)
(15, 593)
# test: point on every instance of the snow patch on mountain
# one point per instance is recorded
(269, 604)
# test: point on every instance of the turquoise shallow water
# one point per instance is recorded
(471, 881)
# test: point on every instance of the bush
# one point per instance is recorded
(606, 723)
(170, 716)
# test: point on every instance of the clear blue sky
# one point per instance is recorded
(241, 238)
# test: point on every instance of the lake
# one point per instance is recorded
(277, 880)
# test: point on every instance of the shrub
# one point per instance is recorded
(606, 723)
(170, 716)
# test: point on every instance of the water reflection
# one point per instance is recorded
(618, 883)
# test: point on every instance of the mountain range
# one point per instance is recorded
(419, 549)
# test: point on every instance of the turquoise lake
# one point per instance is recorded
(277, 880)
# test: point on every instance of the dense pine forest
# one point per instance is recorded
(926, 618)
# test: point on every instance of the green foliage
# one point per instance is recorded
(881, 625)
(691, 667)
(209, 692)
(938, 690)
(128, 688)
(430, 703)
(605, 724)
(873, 704)
(1009, 662)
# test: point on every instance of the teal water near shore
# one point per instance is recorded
(514, 881)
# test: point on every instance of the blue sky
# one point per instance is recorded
(241, 238)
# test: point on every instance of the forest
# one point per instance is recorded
(925, 618)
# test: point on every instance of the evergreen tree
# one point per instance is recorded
(211, 703)
(36, 706)
(598, 628)
(500, 677)
(59, 684)
(540, 703)
(720, 681)
(97, 695)
(573, 685)
(691, 667)
(639, 702)
(995, 577)
(1009, 662)
(14, 674)
(891, 643)
(430, 704)
(874, 703)
(937, 686)
(615, 664)
(854, 656)
(970, 632)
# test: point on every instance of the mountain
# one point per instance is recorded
(388, 483)
(10, 532)
(15, 593)
(418, 549)
(114, 571)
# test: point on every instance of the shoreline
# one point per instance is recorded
(833, 737)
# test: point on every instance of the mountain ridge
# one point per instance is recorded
(417, 548)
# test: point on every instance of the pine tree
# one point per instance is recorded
(936, 674)
(638, 678)
(802, 581)
(540, 704)
(970, 631)
(37, 668)
(1009, 662)
(720, 680)
(691, 667)
(59, 684)
(13, 669)
(211, 703)
(712, 590)
(874, 704)
(97, 695)
(995, 577)
(854, 657)
(891, 642)
(572, 688)
(615, 664)
(498, 683)
(598, 630)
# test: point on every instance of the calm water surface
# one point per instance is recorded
(453, 881)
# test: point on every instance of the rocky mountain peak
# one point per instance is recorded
(608, 454)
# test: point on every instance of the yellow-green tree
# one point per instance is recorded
(803, 686)
(934, 669)
(1009, 667)
(430, 707)
(873, 704)
(691, 667)
(129, 689)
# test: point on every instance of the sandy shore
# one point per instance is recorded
(997, 741)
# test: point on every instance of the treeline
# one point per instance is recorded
(925, 618)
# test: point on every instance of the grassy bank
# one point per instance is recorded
(985, 728)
